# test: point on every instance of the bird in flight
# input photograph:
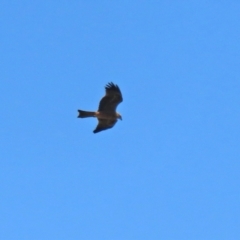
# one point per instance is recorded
(106, 114)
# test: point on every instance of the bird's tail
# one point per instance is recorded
(85, 114)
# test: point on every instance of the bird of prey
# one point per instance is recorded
(106, 114)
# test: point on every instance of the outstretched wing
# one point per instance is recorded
(112, 98)
(104, 124)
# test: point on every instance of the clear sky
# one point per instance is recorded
(169, 170)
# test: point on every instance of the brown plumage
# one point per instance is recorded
(106, 114)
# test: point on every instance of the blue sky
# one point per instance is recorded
(169, 170)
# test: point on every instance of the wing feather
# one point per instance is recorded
(104, 124)
(111, 99)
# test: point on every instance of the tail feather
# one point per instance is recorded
(85, 114)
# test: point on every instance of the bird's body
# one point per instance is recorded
(106, 114)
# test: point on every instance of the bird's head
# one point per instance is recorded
(119, 116)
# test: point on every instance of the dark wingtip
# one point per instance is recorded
(112, 86)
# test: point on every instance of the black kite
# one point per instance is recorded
(106, 114)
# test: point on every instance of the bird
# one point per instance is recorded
(106, 113)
